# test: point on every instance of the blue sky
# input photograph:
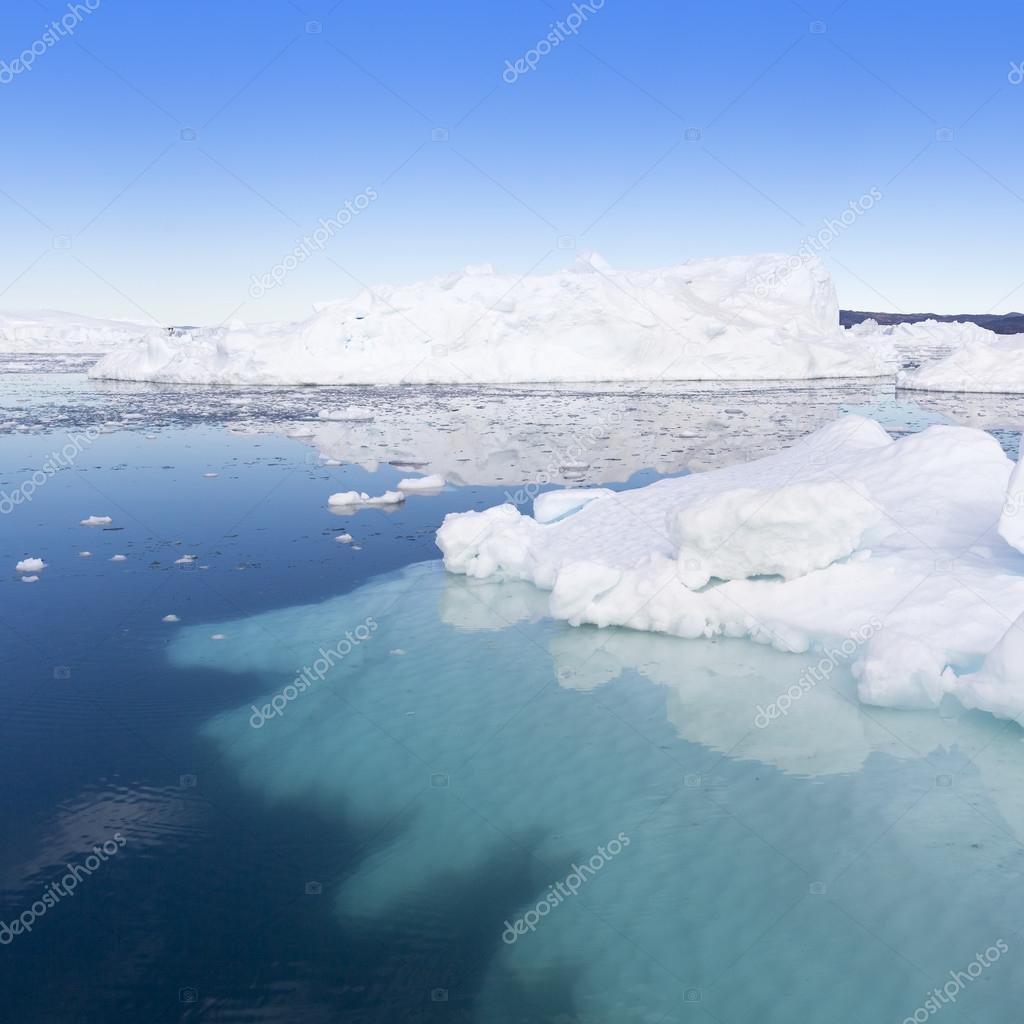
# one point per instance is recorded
(160, 154)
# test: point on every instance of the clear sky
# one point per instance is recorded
(160, 153)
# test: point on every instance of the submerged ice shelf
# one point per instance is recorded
(504, 747)
(847, 533)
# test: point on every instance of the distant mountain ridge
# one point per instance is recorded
(1000, 323)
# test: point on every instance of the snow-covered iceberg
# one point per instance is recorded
(701, 320)
(49, 331)
(910, 561)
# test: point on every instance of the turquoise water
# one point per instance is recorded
(387, 793)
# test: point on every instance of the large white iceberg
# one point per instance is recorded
(701, 320)
(922, 577)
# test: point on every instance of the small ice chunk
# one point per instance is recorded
(344, 538)
(209, 476)
(29, 579)
(218, 636)
(185, 560)
(30, 565)
(786, 531)
(353, 499)
(118, 558)
(434, 482)
(97, 521)
(552, 505)
(85, 554)
(170, 618)
(397, 652)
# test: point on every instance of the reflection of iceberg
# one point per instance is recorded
(526, 437)
(501, 730)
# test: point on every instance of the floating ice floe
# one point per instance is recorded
(170, 618)
(847, 533)
(434, 482)
(30, 565)
(85, 554)
(358, 499)
(710, 319)
(97, 521)
(344, 538)
(29, 579)
(118, 558)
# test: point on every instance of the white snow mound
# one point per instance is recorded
(937, 591)
(786, 531)
(701, 320)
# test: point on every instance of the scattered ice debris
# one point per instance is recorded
(932, 600)
(434, 482)
(118, 558)
(344, 538)
(356, 499)
(170, 618)
(30, 565)
(552, 505)
(97, 521)
(350, 414)
(29, 579)
(764, 317)
(186, 560)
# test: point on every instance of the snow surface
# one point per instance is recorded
(52, 331)
(931, 568)
(701, 320)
